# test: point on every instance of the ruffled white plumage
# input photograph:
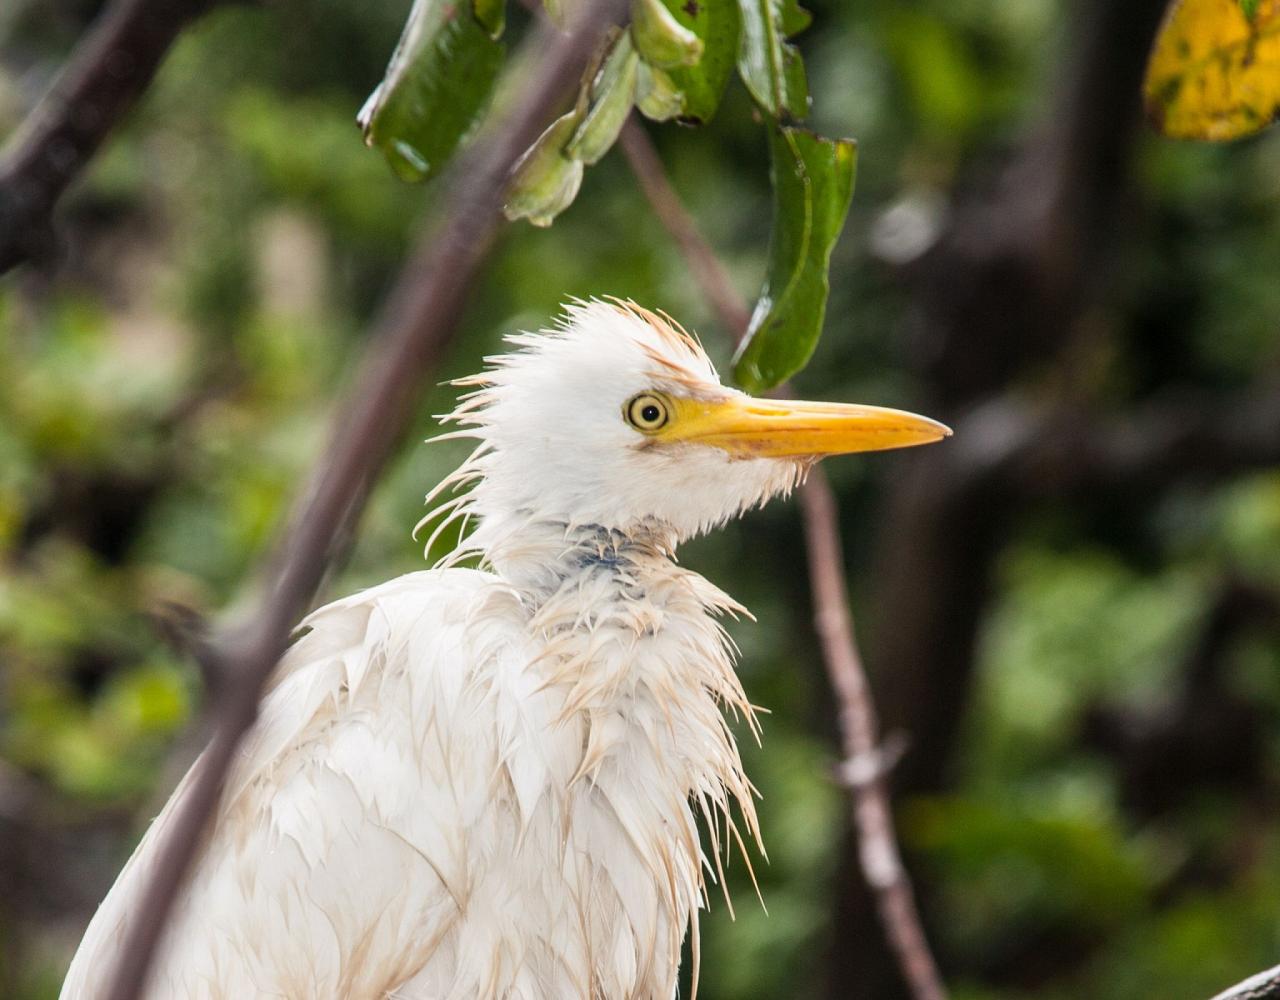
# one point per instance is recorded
(452, 793)
(469, 784)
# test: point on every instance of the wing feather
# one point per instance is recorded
(325, 874)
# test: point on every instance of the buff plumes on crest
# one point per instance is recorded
(476, 783)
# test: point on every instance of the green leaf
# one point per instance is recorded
(612, 92)
(546, 180)
(492, 15)
(718, 24)
(771, 68)
(812, 187)
(661, 40)
(437, 86)
(1250, 7)
(657, 96)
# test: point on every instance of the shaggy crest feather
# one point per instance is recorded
(615, 348)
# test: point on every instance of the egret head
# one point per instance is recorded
(617, 418)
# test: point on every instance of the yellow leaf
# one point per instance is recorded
(1215, 72)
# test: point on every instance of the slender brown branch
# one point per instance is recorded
(412, 333)
(667, 206)
(879, 855)
(1263, 986)
(878, 851)
(104, 78)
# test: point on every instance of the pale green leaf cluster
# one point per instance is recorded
(673, 61)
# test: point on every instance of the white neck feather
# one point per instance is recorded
(634, 645)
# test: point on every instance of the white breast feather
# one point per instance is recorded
(453, 793)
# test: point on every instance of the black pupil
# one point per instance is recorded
(650, 413)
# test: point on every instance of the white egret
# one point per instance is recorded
(490, 783)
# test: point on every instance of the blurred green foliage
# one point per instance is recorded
(162, 394)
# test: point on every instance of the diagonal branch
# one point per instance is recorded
(107, 73)
(709, 273)
(879, 855)
(416, 326)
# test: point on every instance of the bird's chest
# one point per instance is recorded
(582, 851)
(622, 694)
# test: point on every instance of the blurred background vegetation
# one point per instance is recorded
(1088, 665)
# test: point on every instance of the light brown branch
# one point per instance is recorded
(667, 206)
(879, 855)
(878, 850)
(412, 333)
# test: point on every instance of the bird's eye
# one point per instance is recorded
(647, 412)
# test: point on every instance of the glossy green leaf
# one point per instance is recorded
(662, 40)
(812, 187)
(719, 25)
(546, 180)
(437, 86)
(771, 67)
(612, 93)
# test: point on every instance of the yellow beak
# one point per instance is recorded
(747, 427)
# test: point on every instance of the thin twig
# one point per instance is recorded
(880, 857)
(104, 78)
(667, 206)
(878, 850)
(411, 335)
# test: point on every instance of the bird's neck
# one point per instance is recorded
(615, 613)
(632, 665)
(539, 556)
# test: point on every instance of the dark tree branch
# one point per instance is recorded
(865, 760)
(107, 73)
(411, 335)
(1173, 440)
(998, 296)
(1000, 291)
(1241, 604)
(187, 633)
